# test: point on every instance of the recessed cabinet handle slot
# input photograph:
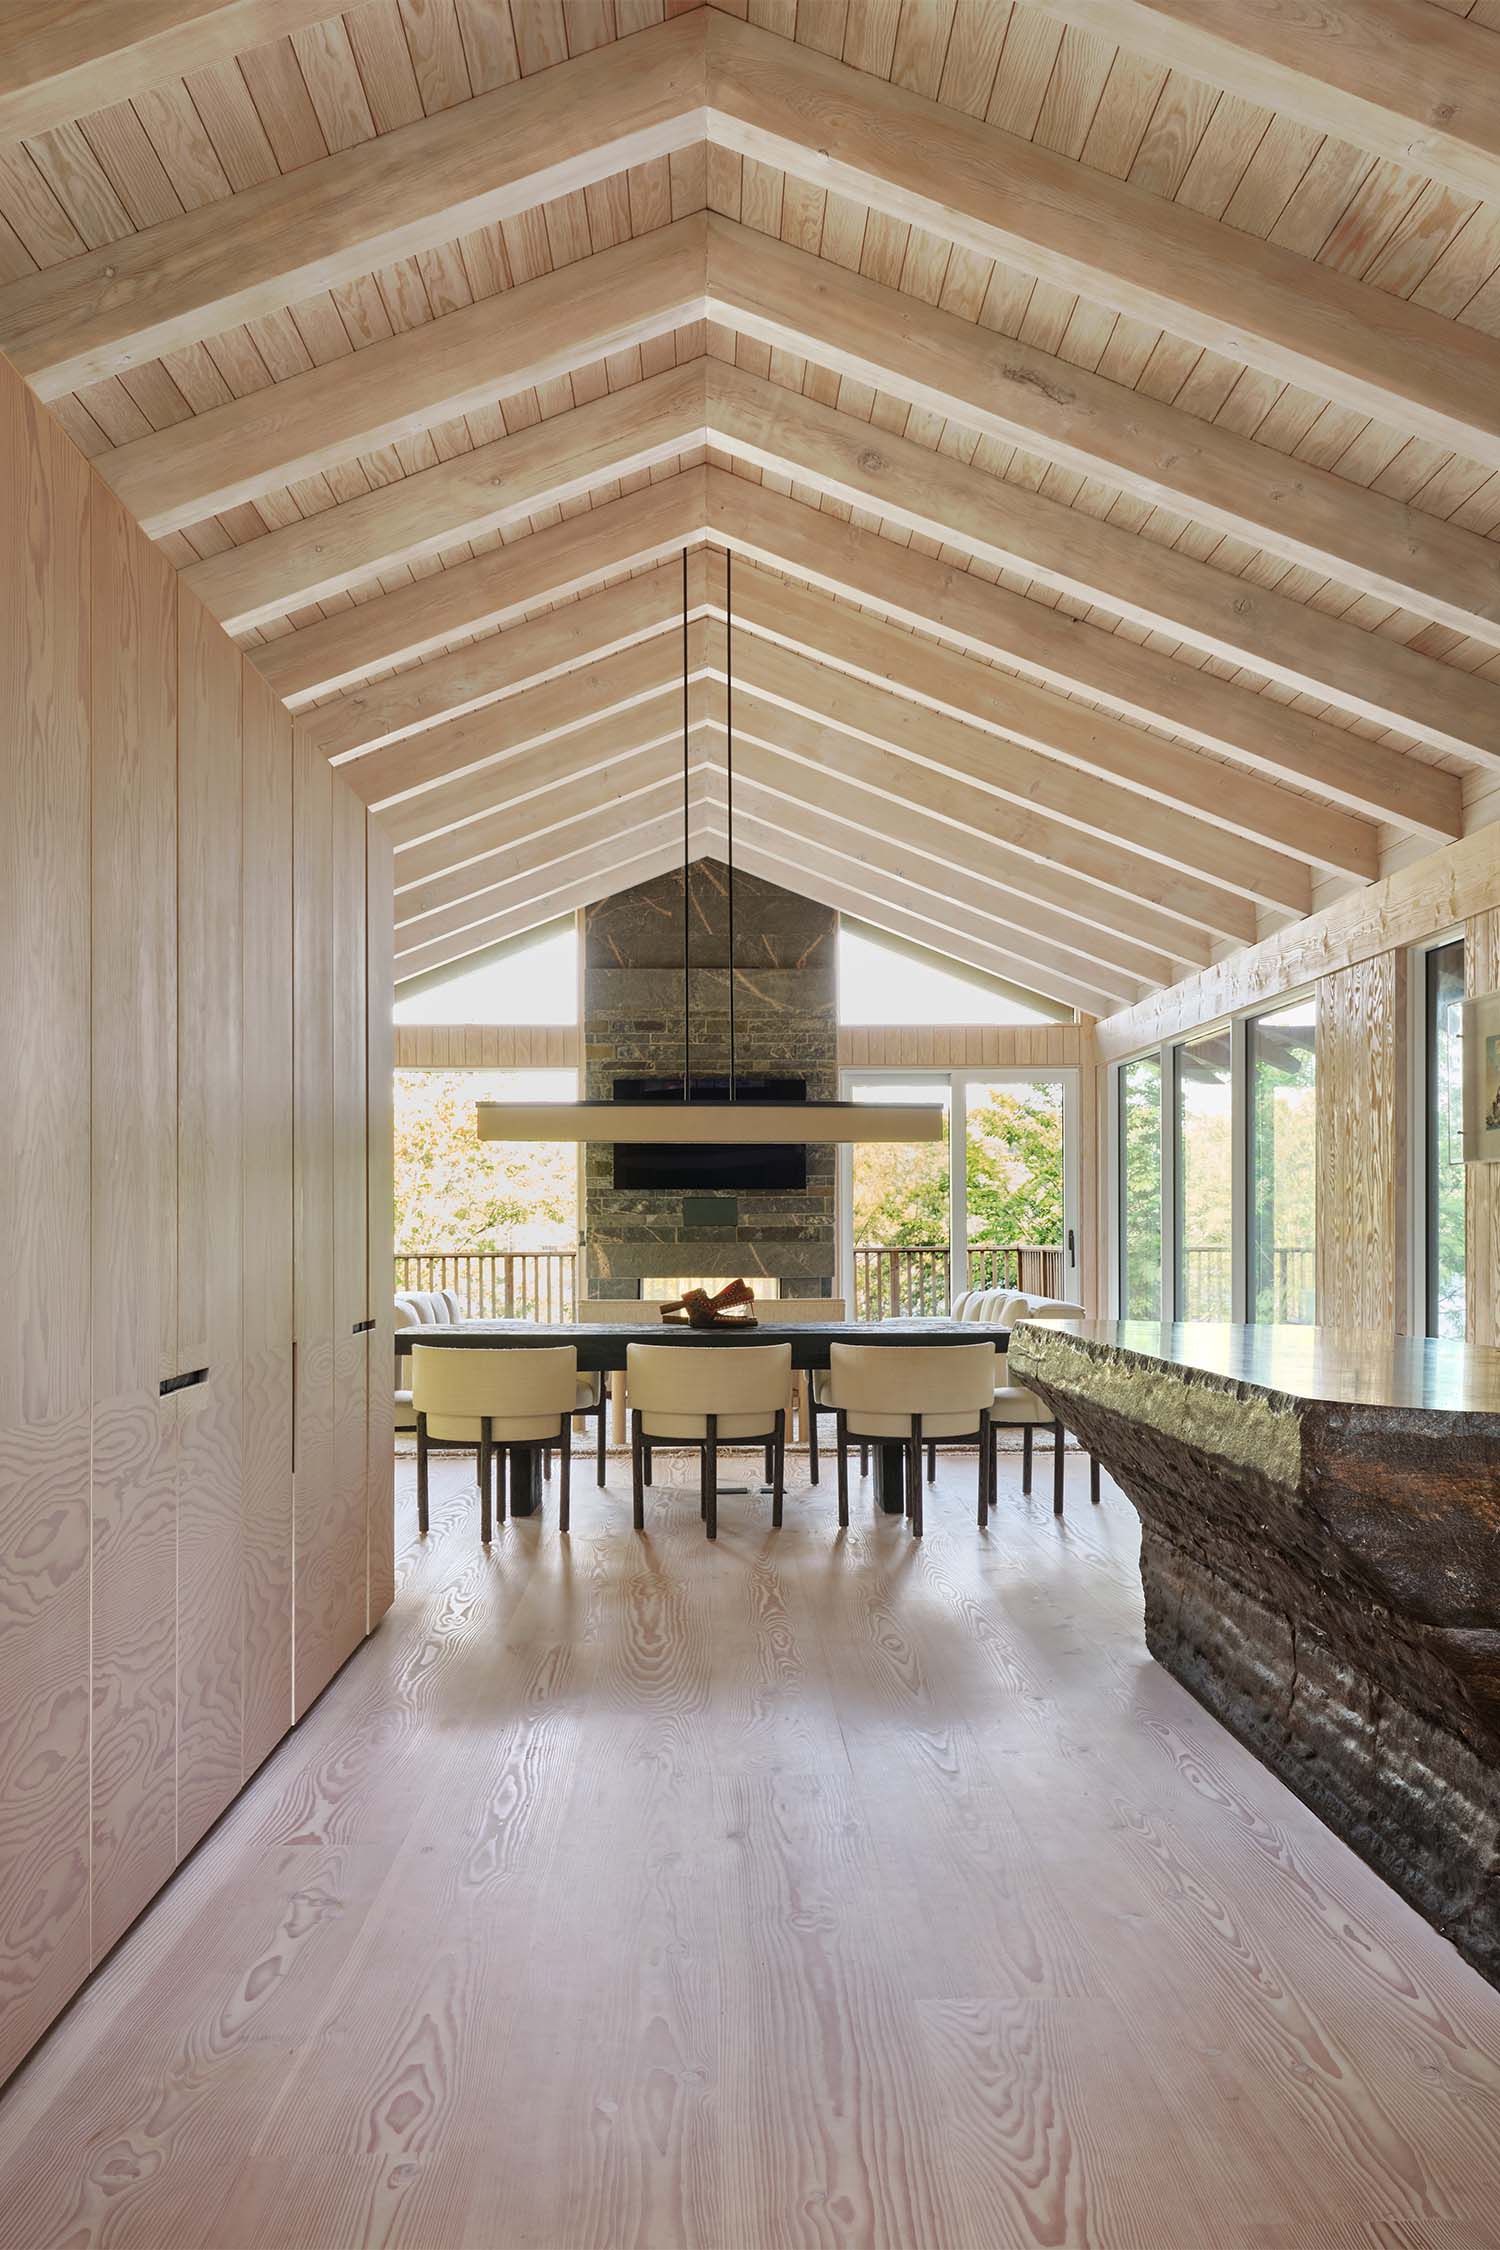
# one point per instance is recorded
(361, 1327)
(194, 1375)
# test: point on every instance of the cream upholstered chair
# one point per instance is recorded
(921, 1394)
(705, 1396)
(419, 1308)
(1015, 1406)
(494, 1398)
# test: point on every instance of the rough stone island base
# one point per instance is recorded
(1322, 1571)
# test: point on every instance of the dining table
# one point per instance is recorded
(603, 1348)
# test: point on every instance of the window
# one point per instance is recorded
(1140, 1189)
(532, 979)
(1204, 1180)
(1281, 1073)
(884, 980)
(901, 1193)
(1444, 1199)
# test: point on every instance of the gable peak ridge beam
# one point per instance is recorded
(511, 149)
(992, 192)
(1084, 556)
(452, 366)
(493, 488)
(1312, 518)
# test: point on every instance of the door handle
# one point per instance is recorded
(1072, 1252)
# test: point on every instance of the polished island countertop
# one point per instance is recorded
(1320, 1554)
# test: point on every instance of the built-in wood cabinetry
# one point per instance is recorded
(194, 1183)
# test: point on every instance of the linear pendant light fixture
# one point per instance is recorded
(727, 1122)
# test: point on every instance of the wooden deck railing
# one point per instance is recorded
(497, 1284)
(916, 1278)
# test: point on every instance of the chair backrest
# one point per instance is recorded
(503, 1380)
(708, 1378)
(912, 1378)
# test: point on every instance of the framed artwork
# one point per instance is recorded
(1482, 1079)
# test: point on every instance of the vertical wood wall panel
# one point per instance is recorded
(1482, 1248)
(1362, 1146)
(134, 1815)
(315, 1553)
(266, 1521)
(44, 1222)
(345, 1616)
(379, 1138)
(210, 1218)
(167, 1146)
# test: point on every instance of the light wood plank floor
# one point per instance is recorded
(793, 1894)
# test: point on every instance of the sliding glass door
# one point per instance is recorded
(1444, 1136)
(994, 1205)
(1203, 1173)
(1138, 1159)
(1281, 1065)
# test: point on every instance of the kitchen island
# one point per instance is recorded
(1320, 1552)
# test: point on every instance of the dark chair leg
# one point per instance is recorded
(770, 1464)
(778, 1469)
(1059, 1457)
(994, 1465)
(1026, 1459)
(916, 1476)
(864, 1458)
(1094, 1478)
(986, 1458)
(646, 1459)
(565, 1478)
(486, 1527)
(603, 1433)
(637, 1475)
(422, 1474)
(842, 1429)
(499, 1456)
(812, 1433)
(932, 1464)
(711, 1471)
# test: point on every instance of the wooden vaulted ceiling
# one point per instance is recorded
(1098, 402)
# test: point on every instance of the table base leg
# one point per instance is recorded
(890, 1478)
(523, 1476)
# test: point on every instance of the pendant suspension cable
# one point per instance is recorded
(729, 789)
(687, 992)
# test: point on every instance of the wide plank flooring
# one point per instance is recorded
(796, 1893)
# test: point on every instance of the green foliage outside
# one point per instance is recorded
(456, 1192)
(1013, 1171)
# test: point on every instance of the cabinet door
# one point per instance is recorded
(210, 1304)
(266, 1590)
(349, 1527)
(44, 1221)
(379, 1063)
(134, 1818)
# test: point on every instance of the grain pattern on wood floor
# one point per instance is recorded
(796, 1893)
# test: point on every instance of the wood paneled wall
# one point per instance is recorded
(489, 1046)
(197, 989)
(1361, 1146)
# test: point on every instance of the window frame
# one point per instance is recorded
(1419, 1137)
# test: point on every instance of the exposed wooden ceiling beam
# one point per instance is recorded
(1073, 552)
(938, 743)
(539, 791)
(990, 191)
(489, 490)
(493, 589)
(1418, 86)
(194, 275)
(252, 445)
(1112, 864)
(1119, 674)
(535, 649)
(1011, 391)
(1083, 744)
(811, 874)
(946, 679)
(601, 880)
(63, 59)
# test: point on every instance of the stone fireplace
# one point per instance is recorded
(785, 1021)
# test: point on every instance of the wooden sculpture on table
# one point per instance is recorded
(733, 1306)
